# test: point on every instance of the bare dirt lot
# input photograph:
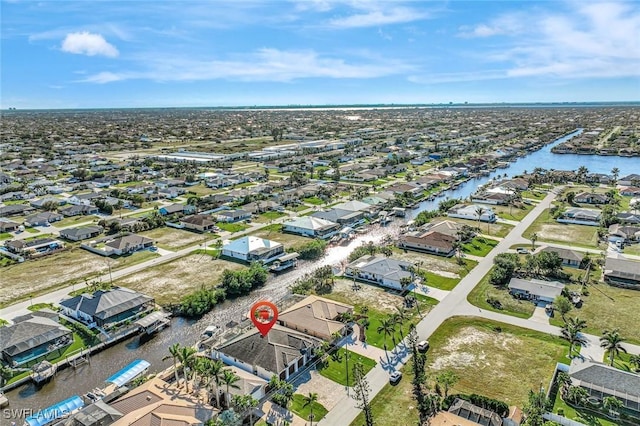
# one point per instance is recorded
(175, 239)
(368, 295)
(169, 282)
(34, 277)
(444, 266)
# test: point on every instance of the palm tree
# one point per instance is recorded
(386, 328)
(533, 238)
(174, 351)
(480, 211)
(229, 378)
(187, 357)
(214, 372)
(615, 172)
(611, 341)
(400, 317)
(612, 404)
(571, 332)
(581, 174)
(310, 400)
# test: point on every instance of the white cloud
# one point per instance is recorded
(377, 17)
(509, 24)
(90, 44)
(262, 65)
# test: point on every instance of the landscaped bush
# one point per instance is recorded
(312, 250)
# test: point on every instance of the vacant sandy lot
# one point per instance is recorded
(169, 282)
(175, 239)
(447, 267)
(35, 277)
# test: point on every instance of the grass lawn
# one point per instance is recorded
(499, 230)
(231, 227)
(633, 249)
(547, 229)
(438, 281)
(199, 190)
(298, 407)
(482, 358)
(74, 220)
(314, 201)
(269, 216)
(513, 213)
(534, 194)
(299, 208)
(335, 369)
(479, 246)
(375, 320)
(608, 307)
(560, 406)
(510, 305)
(39, 306)
(33, 230)
(5, 236)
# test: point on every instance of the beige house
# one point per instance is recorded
(315, 316)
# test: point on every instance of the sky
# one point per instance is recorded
(138, 53)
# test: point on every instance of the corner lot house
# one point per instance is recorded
(33, 337)
(316, 316)
(282, 352)
(253, 249)
(313, 227)
(81, 233)
(384, 271)
(622, 272)
(535, 290)
(601, 380)
(107, 307)
(471, 212)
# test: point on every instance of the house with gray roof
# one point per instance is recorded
(621, 272)
(535, 290)
(580, 216)
(383, 271)
(32, 338)
(309, 226)
(569, 257)
(282, 352)
(118, 245)
(42, 218)
(601, 380)
(107, 307)
(340, 216)
(81, 232)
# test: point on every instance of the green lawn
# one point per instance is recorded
(514, 212)
(438, 281)
(560, 407)
(533, 194)
(510, 305)
(231, 227)
(548, 229)
(375, 320)
(337, 370)
(32, 230)
(608, 307)
(5, 236)
(298, 407)
(40, 306)
(489, 367)
(74, 220)
(314, 201)
(479, 246)
(633, 249)
(269, 216)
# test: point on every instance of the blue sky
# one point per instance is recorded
(71, 54)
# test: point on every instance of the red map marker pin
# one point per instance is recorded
(264, 316)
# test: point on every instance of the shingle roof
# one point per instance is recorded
(127, 241)
(622, 268)
(315, 314)
(274, 352)
(387, 267)
(105, 304)
(30, 333)
(564, 253)
(550, 289)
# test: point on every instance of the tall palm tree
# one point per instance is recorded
(571, 332)
(309, 400)
(229, 378)
(533, 238)
(386, 328)
(174, 351)
(399, 317)
(612, 403)
(611, 341)
(615, 172)
(215, 374)
(187, 356)
(480, 211)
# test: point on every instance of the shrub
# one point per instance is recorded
(312, 250)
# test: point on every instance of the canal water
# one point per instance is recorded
(70, 382)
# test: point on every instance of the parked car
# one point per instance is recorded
(395, 377)
(423, 346)
(522, 250)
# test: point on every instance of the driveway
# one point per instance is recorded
(540, 315)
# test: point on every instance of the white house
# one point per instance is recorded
(253, 249)
(471, 212)
(313, 227)
(384, 271)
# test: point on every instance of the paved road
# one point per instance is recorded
(456, 304)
